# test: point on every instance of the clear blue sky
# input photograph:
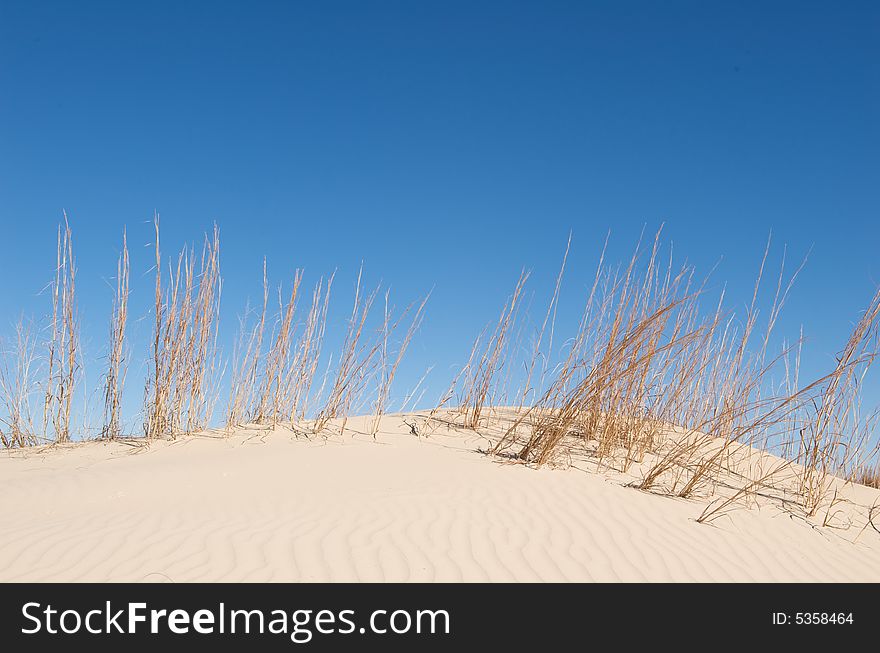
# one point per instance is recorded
(446, 144)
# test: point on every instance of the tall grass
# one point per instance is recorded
(246, 362)
(278, 386)
(275, 386)
(63, 344)
(356, 358)
(658, 377)
(651, 379)
(390, 361)
(273, 372)
(305, 363)
(479, 379)
(19, 370)
(183, 356)
(537, 352)
(115, 378)
(274, 394)
(829, 439)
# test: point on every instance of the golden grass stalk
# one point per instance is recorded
(63, 345)
(493, 359)
(462, 376)
(831, 430)
(275, 390)
(184, 341)
(647, 375)
(18, 375)
(308, 354)
(246, 362)
(387, 372)
(868, 475)
(115, 378)
(202, 352)
(607, 388)
(549, 318)
(275, 387)
(354, 361)
(412, 399)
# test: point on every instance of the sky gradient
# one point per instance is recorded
(444, 144)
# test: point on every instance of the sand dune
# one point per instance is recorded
(260, 506)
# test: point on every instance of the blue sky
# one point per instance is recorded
(445, 144)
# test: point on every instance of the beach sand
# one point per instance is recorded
(260, 505)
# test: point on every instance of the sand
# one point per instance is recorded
(272, 506)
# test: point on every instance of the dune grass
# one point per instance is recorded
(177, 399)
(658, 378)
(115, 378)
(63, 346)
(19, 367)
(650, 380)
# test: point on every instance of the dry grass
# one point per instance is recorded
(830, 439)
(276, 386)
(355, 361)
(305, 363)
(625, 369)
(177, 397)
(648, 379)
(389, 362)
(649, 382)
(462, 375)
(273, 374)
(19, 365)
(537, 352)
(246, 362)
(274, 392)
(63, 345)
(478, 380)
(50, 367)
(115, 378)
(868, 475)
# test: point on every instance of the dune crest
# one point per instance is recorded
(265, 505)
